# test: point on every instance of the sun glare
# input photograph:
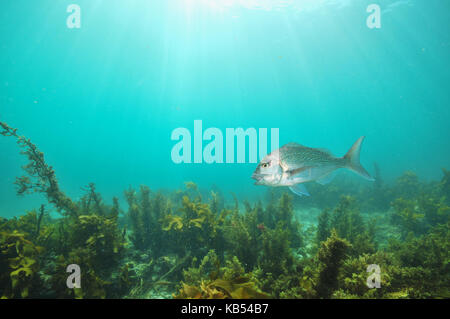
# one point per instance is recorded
(266, 5)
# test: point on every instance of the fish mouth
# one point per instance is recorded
(258, 178)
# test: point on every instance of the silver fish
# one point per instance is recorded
(294, 164)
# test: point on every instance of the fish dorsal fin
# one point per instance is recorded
(292, 144)
(323, 150)
(299, 189)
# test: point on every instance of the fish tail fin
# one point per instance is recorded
(352, 160)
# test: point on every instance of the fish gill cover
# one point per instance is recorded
(129, 133)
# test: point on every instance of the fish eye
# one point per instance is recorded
(265, 165)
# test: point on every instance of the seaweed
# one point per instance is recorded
(276, 258)
(18, 265)
(193, 227)
(211, 281)
(349, 224)
(146, 213)
(408, 185)
(330, 256)
(242, 238)
(40, 177)
(323, 226)
(444, 185)
(427, 255)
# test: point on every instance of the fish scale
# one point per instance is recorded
(298, 156)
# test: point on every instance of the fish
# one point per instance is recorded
(293, 164)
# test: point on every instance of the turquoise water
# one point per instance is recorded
(102, 101)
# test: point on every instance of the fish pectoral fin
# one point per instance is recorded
(299, 189)
(326, 179)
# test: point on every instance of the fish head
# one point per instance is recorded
(269, 171)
